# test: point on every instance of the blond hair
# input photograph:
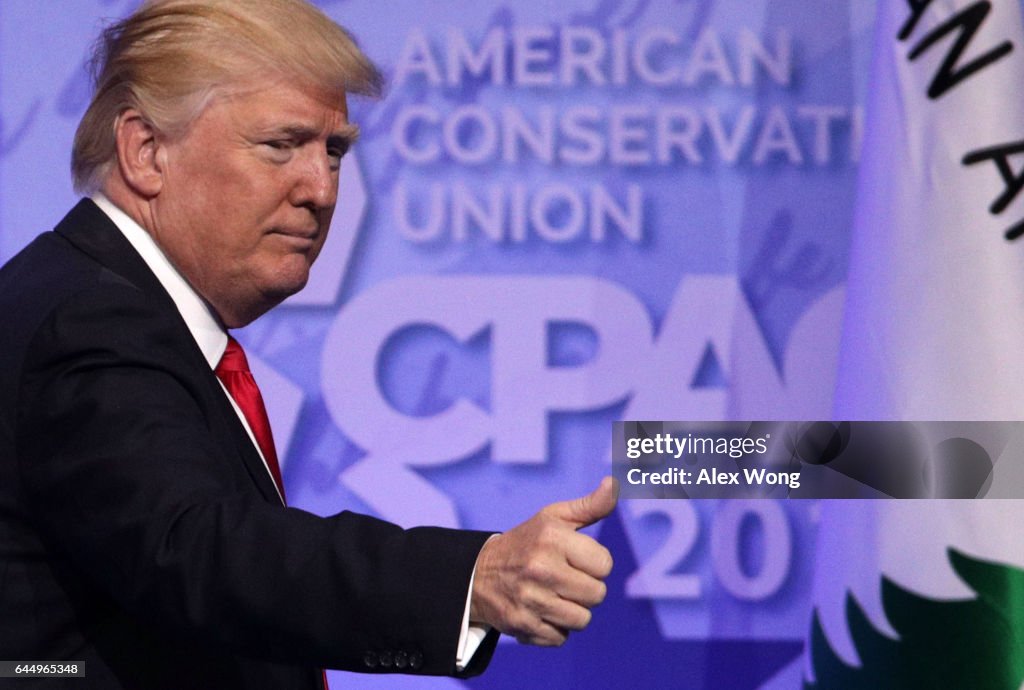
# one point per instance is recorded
(171, 56)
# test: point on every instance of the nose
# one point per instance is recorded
(317, 185)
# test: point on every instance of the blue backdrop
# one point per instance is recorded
(560, 215)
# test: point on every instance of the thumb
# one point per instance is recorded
(586, 510)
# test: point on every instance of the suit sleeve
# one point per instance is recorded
(130, 481)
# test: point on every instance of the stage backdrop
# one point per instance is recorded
(559, 215)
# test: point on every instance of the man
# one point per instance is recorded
(142, 521)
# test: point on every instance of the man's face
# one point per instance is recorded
(248, 193)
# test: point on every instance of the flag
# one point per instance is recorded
(930, 593)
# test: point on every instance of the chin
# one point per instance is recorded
(273, 289)
(282, 289)
(290, 277)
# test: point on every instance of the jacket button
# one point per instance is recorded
(415, 660)
(385, 660)
(401, 659)
(370, 660)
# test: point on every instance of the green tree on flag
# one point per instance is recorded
(965, 643)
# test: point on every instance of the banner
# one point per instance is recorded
(931, 594)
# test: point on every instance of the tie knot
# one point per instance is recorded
(233, 358)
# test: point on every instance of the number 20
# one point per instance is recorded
(655, 580)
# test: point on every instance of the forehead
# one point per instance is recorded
(275, 104)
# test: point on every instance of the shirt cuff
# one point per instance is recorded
(470, 636)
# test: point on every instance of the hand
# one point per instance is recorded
(539, 580)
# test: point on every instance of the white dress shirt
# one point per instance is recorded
(212, 339)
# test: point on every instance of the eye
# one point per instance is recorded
(278, 149)
(335, 153)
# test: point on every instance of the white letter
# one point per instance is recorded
(401, 134)
(642, 58)
(678, 128)
(752, 51)
(527, 57)
(462, 59)
(350, 355)
(470, 152)
(431, 228)
(578, 124)
(729, 148)
(540, 139)
(586, 60)
(417, 58)
(548, 198)
(623, 132)
(708, 58)
(777, 136)
(465, 208)
(620, 57)
(525, 388)
(822, 116)
(629, 219)
(699, 319)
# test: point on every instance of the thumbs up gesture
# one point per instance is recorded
(539, 580)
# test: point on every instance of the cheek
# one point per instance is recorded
(231, 202)
(235, 221)
(204, 202)
(224, 185)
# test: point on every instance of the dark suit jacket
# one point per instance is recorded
(140, 532)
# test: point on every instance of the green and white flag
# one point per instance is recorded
(930, 594)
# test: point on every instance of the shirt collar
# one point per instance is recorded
(207, 331)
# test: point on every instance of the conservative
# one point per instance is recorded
(144, 527)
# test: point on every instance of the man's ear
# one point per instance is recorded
(139, 156)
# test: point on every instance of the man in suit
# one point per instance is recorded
(143, 525)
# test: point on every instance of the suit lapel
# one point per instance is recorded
(92, 232)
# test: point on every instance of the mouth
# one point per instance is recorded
(297, 233)
(300, 240)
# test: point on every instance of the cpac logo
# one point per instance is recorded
(655, 374)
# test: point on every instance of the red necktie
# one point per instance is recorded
(233, 372)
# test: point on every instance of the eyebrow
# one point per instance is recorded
(342, 138)
(345, 137)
